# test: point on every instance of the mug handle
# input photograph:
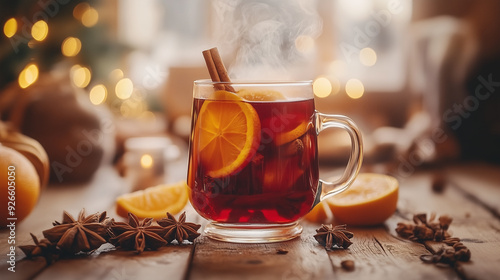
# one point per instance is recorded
(328, 189)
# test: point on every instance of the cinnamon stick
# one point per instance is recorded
(217, 70)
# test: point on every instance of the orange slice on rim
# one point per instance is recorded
(227, 134)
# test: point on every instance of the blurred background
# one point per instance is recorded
(86, 79)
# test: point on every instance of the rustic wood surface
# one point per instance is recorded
(471, 197)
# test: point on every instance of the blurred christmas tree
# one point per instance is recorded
(77, 36)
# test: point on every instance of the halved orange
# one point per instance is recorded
(227, 134)
(154, 202)
(260, 95)
(370, 200)
(289, 136)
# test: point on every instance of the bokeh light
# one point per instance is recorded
(10, 27)
(124, 88)
(116, 74)
(304, 43)
(337, 67)
(40, 30)
(80, 76)
(90, 17)
(368, 57)
(322, 87)
(146, 161)
(80, 9)
(98, 94)
(28, 76)
(354, 88)
(71, 46)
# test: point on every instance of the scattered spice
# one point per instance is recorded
(281, 251)
(347, 265)
(330, 236)
(43, 248)
(84, 234)
(425, 229)
(438, 183)
(179, 230)
(137, 235)
(449, 256)
(88, 233)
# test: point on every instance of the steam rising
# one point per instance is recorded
(261, 35)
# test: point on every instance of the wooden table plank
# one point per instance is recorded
(167, 263)
(379, 255)
(305, 259)
(473, 223)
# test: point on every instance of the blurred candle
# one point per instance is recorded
(145, 161)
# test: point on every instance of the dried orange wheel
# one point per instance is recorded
(227, 135)
(153, 202)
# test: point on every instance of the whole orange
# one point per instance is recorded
(19, 186)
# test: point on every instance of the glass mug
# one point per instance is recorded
(253, 158)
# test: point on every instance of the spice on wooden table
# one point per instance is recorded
(347, 265)
(43, 248)
(137, 235)
(84, 234)
(179, 230)
(330, 236)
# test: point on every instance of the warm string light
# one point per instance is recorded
(86, 14)
(39, 30)
(71, 46)
(98, 94)
(124, 88)
(10, 27)
(368, 56)
(90, 17)
(80, 76)
(28, 75)
(354, 88)
(146, 161)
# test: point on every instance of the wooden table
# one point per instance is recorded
(471, 197)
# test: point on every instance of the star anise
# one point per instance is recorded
(179, 230)
(137, 235)
(329, 236)
(43, 248)
(84, 234)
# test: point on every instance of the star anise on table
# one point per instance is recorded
(330, 236)
(43, 248)
(84, 234)
(137, 235)
(179, 230)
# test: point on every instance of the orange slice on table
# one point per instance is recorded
(370, 200)
(289, 136)
(227, 134)
(260, 95)
(154, 202)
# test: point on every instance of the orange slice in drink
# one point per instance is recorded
(260, 95)
(289, 136)
(227, 134)
(370, 200)
(154, 202)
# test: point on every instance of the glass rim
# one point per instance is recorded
(255, 82)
